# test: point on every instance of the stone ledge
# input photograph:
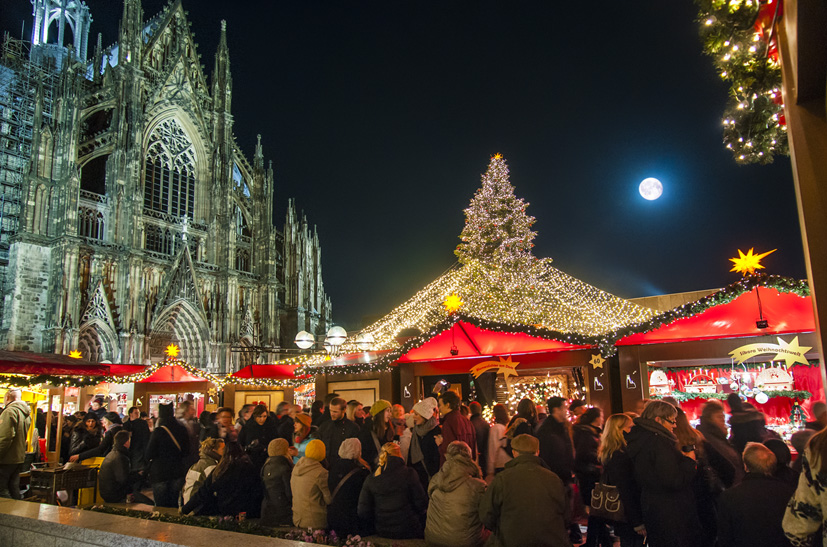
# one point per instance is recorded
(28, 524)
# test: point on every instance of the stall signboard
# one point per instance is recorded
(791, 352)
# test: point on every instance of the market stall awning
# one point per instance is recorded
(116, 370)
(469, 340)
(22, 362)
(785, 312)
(280, 372)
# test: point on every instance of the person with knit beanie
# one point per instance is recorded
(301, 435)
(425, 437)
(376, 432)
(277, 505)
(308, 483)
(347, 475)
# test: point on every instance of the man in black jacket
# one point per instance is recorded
(483, 429)
(139, 440)
(115, 478)
(750, 513)
(557, 451)
(334, 431)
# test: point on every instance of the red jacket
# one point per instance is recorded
(456, 427)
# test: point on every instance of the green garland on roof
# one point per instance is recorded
(739, 37)
(682, 396)
(50, 379)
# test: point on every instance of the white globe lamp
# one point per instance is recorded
(336, 336)
(305, 340)
(365, 341)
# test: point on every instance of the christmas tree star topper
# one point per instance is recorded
(746, 264)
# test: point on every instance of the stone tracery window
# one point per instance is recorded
(169, 171)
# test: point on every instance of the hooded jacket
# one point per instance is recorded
(525, 505)
(198, 473)
(453, 514)
(82, 439)
(308, 483)
(665, 477)
(394, 501)
(277, 506)
(14, 423)
(114, 477)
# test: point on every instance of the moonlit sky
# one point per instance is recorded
(380, 117)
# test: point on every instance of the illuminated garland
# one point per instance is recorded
(169, 361)
(682, 396)
(52, 380)
(267, 382)
(739, 36)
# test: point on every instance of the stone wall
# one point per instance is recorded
(24, 310)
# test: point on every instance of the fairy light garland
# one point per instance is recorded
(168, 362)
(14, 380)
(739, 36)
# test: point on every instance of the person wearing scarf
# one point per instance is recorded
(426, 435)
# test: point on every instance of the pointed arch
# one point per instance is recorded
(98, 334)
(185, 325)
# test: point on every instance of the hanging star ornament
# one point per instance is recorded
(746, 264)
(172, 350)
(453, 303)
(597, 361)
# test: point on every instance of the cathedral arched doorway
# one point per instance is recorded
(98, 342)
(184, 325)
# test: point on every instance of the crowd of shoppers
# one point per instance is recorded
(444, 473)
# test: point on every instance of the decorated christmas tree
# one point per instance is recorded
(497, 228)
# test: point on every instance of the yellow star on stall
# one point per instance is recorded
(498, 156)
(172, 350)
(453, 303)
(748, 263)
(597, 361)
(792, 353)
(75, 354)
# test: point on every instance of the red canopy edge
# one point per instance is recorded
(279, 372)
(23, 362)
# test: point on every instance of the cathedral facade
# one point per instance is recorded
(135, 221)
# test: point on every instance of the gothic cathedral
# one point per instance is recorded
(130, 217)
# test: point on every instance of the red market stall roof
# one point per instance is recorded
(125, 370)
(22, 362)
(472, 341)
(280, 372)
(786, 313)
(172, 373)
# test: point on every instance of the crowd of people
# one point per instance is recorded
(444, 473)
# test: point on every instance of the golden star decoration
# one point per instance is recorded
(75, 354)
(172, 350)
(748, 263)
(453, 303)
(597, 361)
(498, 156)
(506, 367)
(792, 353)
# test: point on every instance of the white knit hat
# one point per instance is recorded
(425, 407)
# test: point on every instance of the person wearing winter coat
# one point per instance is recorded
(618, 471)
(523, 423)
(455, 493)
(746, 424)
(425, 439)
(392, 499)
(139, 439)
(455, 426)
(116, 480)
(111, 423)
(497, 456)
(14, 426)
(665, 475)
(210, 453)
(311, 493)
(587, 468)
(347, 476)
(256, 434)
(376, 432)
(722, 457)
(526, 503)
(806, 513)
(301, 436)
(86, 435)
(277, 505)
(166, 452)
(750, 513)
(335, 430)
(234, 487)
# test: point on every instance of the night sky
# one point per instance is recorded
(380, 117)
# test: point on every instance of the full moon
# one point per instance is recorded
(650, 188)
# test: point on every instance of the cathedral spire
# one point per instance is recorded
(130, 42)
(258, 159)
(222, 83)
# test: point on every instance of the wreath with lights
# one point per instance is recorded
(740, 37)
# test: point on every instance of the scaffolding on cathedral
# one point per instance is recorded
(21, 75)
